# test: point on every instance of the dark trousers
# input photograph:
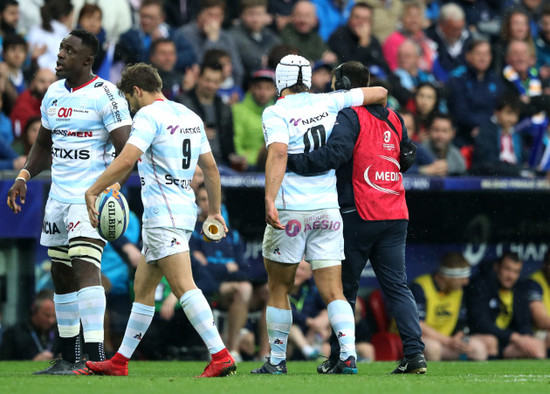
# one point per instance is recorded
(383, 243)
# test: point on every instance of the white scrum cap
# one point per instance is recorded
(288, 70)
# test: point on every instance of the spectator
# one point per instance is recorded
(90, 18)
(408, 70)
(498, 148)
(538, 293)
(247, 116)
(116, 16)
(229, 91)
(225, 261)
(522, 79)
(15, 53)
(9, 159)
(515, 27)
(30, 133)
(6, 132)
(473, 91)
(439, 299)
(451, 38)
(216, 115)
(9, 17)
(301, 33)
(321, 77)
(386, 14)
(533, 9)
(542, 44)
(135, 44)
(44, 39)
(253, 38)
(412, 22)
(331, 14)
(281, 10)
(424, 106)
(441, 132)
(497, 305)
(29, 14)
(35, 339)
(354, 41)
(28, 103)
(483, 16)
(424, 162)
(164, 57)
(310, 323)
(207, 33)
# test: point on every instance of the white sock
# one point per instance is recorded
(278, 327)
(342, 321)
(198, 312)
(67, 314)
(91, 304)
(138, 323)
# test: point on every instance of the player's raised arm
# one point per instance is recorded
(116, 170)
(275, 168)
(212, 183)
(375, 95)
(37, 160)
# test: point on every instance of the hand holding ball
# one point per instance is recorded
(113, 214)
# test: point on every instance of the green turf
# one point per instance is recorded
(177, 377)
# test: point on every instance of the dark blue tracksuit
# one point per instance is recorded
(382, 242)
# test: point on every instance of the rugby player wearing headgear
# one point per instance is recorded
(302, 212)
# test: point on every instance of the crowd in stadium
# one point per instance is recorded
(471, 79)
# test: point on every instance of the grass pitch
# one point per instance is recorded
(178, 377)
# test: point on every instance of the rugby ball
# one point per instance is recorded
(114, 214)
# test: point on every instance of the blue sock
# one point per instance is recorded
(278, 327)
(342, 321)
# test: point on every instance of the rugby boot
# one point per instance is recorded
(413, 365)
(268, 368)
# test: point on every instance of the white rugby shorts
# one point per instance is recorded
(317, 235)
(160, 242)
(64, 221)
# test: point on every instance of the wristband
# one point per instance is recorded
(20, 177)
(24, 174)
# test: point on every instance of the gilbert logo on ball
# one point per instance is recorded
(113, 214)
(212, 230)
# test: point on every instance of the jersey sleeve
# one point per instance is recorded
(113, 108)
(143, 131)
(275, 128)
(345, 99)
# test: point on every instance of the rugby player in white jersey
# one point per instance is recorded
(170, 140)
(83, 116)
(302, 213)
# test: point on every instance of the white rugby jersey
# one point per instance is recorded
(80, 120)
(304, 122)
(172, 137)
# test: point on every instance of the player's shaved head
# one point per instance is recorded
(89, 40)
